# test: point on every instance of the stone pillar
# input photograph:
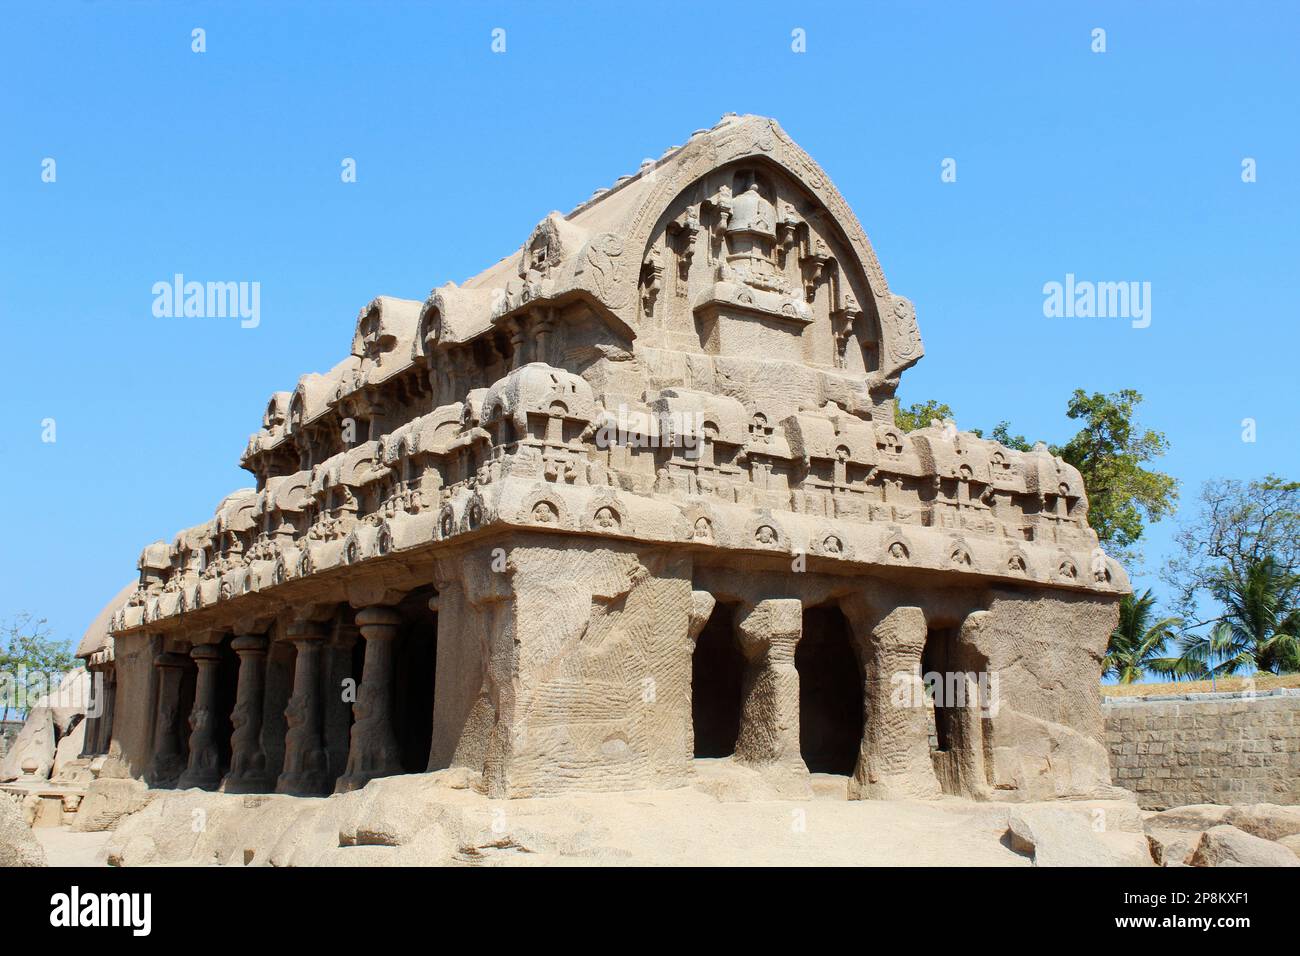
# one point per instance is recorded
(306, 764)
(247, 759)
(95, 725)
(105, 736)
(167, 763)
(279, 688)
(374, 752)
(518, 343)
(769, 719)
(894, 762)
(204, 770)
(337, 708)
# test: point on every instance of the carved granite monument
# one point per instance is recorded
(632, 496)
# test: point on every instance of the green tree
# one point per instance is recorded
(920, 415)
(28, 650)
(1238, 524)
(1111, 452)
(1002, 435)
(1258, 630)
(1137, 644)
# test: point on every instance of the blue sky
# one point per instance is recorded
(225, 165)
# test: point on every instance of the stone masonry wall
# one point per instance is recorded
(1206, 748)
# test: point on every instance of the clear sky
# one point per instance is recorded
(225, 166)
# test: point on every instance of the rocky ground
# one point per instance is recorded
(729, 817)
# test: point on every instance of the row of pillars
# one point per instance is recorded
(373, 748)
(894, 758)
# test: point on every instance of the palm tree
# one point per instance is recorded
(1259, 629)
(1136, 642)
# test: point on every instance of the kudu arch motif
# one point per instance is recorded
(443, 522)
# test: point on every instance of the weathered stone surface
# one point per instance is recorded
(1206, 749)
(1227, 846)
(1172, 847)
(69, 749)
(1265, 820)
(18, 847)
(108, 800)
(1196, 817)
(1067, 836)
(32, 755)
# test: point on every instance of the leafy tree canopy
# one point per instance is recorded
(1237, 524)
(27, 648)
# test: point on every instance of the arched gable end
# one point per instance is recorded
(743, 216)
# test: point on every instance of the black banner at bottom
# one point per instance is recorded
(177, 904)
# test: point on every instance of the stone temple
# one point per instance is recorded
(633, 495)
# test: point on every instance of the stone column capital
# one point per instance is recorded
(377, 620)
(206, 654)
(249, 645)
(171, 659)
(306, 631)
(773, 626)
(252, 626)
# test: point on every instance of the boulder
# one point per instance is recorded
(18, 846)
(1067, 836)
(1292, 843)
(108, 800)
(1172, 847)
(68, 703)
(1227, 846)
(1195, 816)
(1268, 821)
(34, 747)
(69, 748)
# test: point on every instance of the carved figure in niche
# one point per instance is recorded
(703, 530)
(606, 519)
(750, 240)
(766, 535)
(544, 513)
(832, 545)
(1100, 573)
(898, 551)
